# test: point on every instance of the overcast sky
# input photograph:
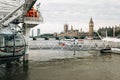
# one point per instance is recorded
(77, 13)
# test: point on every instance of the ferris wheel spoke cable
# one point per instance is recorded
(6, 3)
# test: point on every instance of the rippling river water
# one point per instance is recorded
(65, 65)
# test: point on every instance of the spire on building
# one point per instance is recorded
(91, 20)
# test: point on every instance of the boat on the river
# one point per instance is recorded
(115, 50)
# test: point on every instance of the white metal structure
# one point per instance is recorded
(13, 12)
(12, 9)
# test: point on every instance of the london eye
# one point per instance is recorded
(14, 38)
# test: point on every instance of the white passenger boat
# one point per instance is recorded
(115, 50)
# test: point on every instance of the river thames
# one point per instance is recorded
(65, 65)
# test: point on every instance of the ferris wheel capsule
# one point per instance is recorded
(12, 45)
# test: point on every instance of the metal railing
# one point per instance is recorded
(68, 45)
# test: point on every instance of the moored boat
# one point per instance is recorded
(107, 50)
(115, 50)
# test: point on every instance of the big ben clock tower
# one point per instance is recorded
(91, 26)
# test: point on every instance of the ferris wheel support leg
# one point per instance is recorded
(25, 61)
(26, 55)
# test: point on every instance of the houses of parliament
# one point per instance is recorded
(76, 33)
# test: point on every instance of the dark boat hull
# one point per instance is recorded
(105, 50)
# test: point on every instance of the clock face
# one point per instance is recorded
(90, 24)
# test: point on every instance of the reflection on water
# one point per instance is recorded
(65, 65)
(13, 73)
(46, 55)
